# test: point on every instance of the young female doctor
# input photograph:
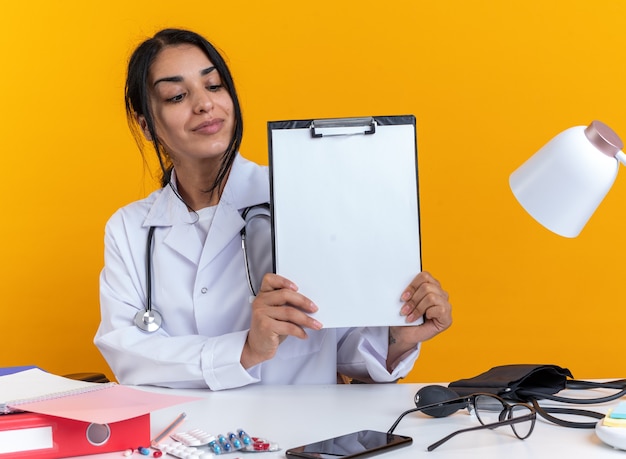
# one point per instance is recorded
(191, 321)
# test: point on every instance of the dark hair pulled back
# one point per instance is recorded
(137, 101)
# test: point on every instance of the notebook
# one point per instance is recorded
(37, 391)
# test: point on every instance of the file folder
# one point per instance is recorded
(33, 435)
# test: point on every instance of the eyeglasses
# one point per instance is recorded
(492, 412)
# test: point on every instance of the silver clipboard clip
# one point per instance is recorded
(343, 126)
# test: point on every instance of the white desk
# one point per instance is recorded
(296, 415)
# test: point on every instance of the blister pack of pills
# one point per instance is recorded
(201, 441)
(196, 437)
(182, 451)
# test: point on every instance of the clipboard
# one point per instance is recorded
(345, 214)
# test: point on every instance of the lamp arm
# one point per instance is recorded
(621, 157)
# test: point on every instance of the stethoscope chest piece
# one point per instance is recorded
(148, 321)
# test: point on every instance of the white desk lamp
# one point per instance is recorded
(562, 185)
(564, 182)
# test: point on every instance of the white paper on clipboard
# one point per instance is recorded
(345, 214)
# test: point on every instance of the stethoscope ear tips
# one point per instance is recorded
(148, 321)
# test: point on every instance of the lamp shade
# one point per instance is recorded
(563, 183)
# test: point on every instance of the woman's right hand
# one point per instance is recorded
(278, 311)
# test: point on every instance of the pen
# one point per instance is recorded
(155, 441)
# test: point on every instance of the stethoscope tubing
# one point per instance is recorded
(149, 320)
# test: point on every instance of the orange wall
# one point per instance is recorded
(489, 82)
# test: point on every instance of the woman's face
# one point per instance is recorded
(193, 113)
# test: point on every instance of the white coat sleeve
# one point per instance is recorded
(362, 354)
(136, 357)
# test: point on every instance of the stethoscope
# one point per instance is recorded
(150, 320)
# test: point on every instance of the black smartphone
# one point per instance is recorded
(356, 444)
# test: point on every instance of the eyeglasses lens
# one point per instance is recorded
(490, 410)
(524, 428)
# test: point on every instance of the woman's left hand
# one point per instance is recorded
(425, 298)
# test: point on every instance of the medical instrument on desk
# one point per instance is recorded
(150, 320)
(530, 383)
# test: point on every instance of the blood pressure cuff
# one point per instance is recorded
(530, 383)
(518, 382)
